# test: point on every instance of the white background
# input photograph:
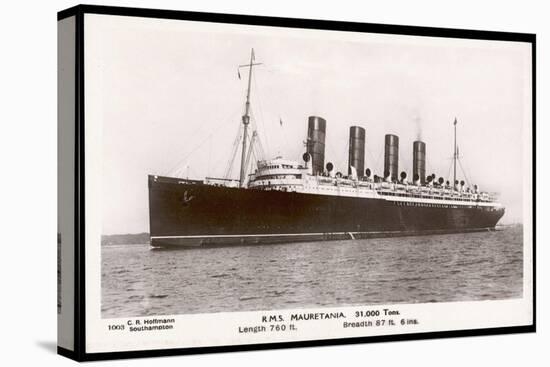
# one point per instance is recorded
(28, 185)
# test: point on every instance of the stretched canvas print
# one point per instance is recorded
(238, 182)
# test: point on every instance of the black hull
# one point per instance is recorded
(186, 213)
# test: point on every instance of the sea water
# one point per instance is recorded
(140, 281)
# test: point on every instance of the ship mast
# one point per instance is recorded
(454, 160)
(246, 117)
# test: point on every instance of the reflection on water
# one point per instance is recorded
(138, 281)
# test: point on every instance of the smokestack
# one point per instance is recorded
(419, 160)
(316, 142)
(356, 157)
(391, 156)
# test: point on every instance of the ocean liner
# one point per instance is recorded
(282, 201)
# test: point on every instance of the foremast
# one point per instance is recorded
(455, 183)
(246, 118)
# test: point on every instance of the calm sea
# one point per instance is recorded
(138, 281)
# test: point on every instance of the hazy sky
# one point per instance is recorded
(171, 102)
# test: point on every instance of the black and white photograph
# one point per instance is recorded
(246, 183)
(248, 170)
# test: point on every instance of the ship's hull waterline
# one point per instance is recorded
(190, 214)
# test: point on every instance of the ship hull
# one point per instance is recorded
(190, 214)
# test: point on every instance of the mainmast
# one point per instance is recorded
(454, 159)
(246, 118)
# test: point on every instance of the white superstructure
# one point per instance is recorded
(286, 175)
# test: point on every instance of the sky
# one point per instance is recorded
(168, 101)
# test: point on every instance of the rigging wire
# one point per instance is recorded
(252, 163)
(249, 153)
(262, 119)
(463, 172)
(223, 163)
(255, 129)
(175, 168)
(255, 143)
(172, 152)
(236, 143)
(257, 146)
(254, 154)
(261, 149)
(449, 172)
(184, 159)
